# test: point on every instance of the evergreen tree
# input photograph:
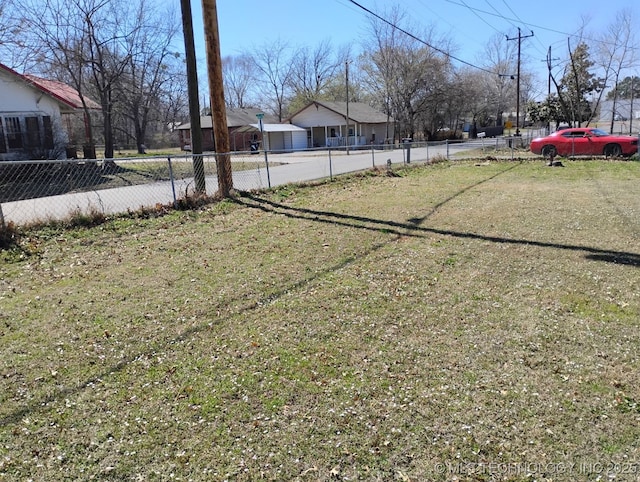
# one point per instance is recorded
(627, 88)
(577, 83)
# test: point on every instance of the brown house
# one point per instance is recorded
(240, 138)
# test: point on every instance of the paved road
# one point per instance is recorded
(286, 168)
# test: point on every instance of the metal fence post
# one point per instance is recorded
(446, 143)
(330, 167)
(173, 184)
(266, 162)
(373, 157)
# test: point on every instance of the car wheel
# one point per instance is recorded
(613, 150)
(549, 151)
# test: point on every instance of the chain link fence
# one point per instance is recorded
(33, 192)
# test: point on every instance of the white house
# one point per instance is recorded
(326, 124)
(31, 116)
(319, 124)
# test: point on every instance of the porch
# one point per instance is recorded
(335, 136)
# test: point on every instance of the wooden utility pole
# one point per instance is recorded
(216, 93)
(346, 73)
(194, 104)
(519, 39)
(630, 110)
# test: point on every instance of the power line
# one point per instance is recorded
(467, 34)
(427, 7)
(520, 20)
(511, 10)
(443, 52)
(527, 24)
(499, 14)
(477, 15)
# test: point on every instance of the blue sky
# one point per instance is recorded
(245, 24)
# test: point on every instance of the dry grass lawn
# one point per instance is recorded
(450, 322)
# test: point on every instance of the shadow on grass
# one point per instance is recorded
(628, 259)
(412, 228)
(397, 229)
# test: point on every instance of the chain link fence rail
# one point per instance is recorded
(34, 192)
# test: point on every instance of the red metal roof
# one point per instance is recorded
(62, 91)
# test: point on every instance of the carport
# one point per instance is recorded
(279, 137)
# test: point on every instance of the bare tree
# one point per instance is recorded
(151, 68)
(55, 34)
(274, 70)
(10, 28)
(115, 51)
(239, 77)
(313, 71)
(500, 57)
(174, 107)
(83, 40)
(615, 53)
(409, 76)
(469, 98)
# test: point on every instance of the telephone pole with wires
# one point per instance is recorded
(549, 66)
(519, 39)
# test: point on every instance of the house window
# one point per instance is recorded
(14, 133)
(33, 132)
(3, 144)
(48, 132)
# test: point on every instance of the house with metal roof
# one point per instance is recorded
(337, 124)
(34, 115)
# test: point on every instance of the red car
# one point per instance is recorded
(584, 141)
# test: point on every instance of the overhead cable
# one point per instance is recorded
(443, 52)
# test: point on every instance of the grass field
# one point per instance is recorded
(448, 322)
